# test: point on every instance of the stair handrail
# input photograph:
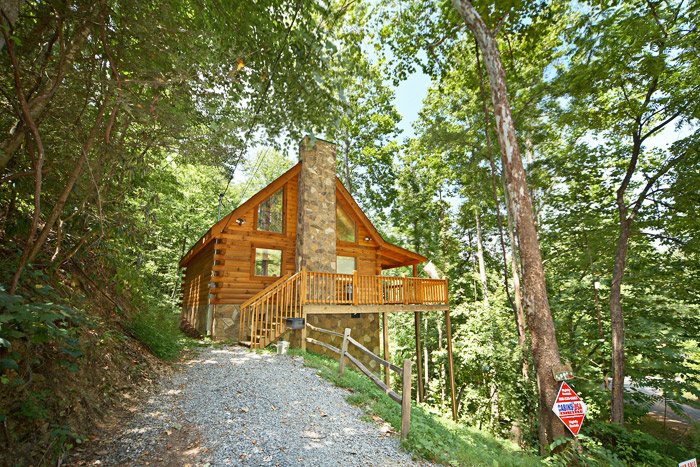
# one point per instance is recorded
(268, 289)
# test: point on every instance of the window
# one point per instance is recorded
(345, 226)
(268, 262)
(270, 213)
(345, 264)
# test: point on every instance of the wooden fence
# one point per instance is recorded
(404, 399)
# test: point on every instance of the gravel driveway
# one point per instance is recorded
(229, 406)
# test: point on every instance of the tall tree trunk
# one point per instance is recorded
(617, 323)
(543, 343)
(516, 303)
(30, 252)
(480, 254)
(40, 103)
(426, 355)
(517, 296)
(37, 157)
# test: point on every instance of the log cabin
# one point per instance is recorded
(302, 247)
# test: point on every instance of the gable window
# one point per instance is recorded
(268, 262)
(270, 213)
(345, 225)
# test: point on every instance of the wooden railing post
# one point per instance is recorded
(343, 350)
(405, 288)
(444, 278)
(355, 288)
(406, 399)
(302, 291)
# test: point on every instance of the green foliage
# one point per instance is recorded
(635, 447)
(158, 330)
(581, 451)
(37, 322)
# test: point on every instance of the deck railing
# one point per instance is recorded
(354, 289)
(262, 317)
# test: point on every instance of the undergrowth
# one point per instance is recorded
(431, 436)
(158, 330)
(439, 439)
(69, 353)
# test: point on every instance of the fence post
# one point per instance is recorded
(343, 349)
(355, 288)
(406, 399)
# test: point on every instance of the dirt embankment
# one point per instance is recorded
(53, 400)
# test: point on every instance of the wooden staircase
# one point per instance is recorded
(262, 317)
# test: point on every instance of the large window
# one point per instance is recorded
(345, 226)
(268, 262)
(270, 213)
(345, 264)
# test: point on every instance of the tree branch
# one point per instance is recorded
(662, 237)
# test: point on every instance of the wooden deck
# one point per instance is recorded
(344, 309)
(305, 293)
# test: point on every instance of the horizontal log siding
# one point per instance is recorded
(235, 282)
(195, 289)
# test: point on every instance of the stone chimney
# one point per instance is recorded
(316, 220)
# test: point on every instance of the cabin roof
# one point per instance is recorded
(391, 256)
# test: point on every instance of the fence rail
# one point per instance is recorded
(404, 399)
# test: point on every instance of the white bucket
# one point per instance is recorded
(282, 347)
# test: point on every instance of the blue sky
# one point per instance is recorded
(409, 99)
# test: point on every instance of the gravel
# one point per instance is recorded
(231, 406)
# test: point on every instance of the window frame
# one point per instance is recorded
(255, 247)
(284, 214)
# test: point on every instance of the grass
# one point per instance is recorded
(432, 437)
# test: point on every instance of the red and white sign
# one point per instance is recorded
(689, 463)
(570, 408)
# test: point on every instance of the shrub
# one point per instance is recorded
(158, 330)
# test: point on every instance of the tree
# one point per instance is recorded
(200, 87)
(629, 79)
(543, 343)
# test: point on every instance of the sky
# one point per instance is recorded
(409, 99)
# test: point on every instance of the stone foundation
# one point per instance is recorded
(364, 330)
(226, 322)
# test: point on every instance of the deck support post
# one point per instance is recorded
(420, 390)
(385, 338)
(419, 360)
(448, 326)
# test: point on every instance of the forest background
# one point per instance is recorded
(122, 122)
